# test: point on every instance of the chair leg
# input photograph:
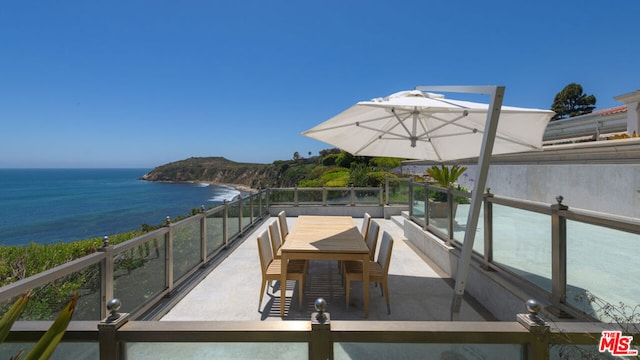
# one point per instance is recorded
(347, 289)
(386, 295)
(264, 283)
(300, 287)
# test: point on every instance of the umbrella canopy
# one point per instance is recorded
(421, 125)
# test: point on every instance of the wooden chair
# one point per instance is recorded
(284, 228)
(271, 268)
(276, 244)
(276, 239)
(366, 219)
(378, 270)
(372, 238)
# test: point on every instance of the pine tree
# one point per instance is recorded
(571, 101)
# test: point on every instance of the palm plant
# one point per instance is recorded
(445, 177)
(49, 341)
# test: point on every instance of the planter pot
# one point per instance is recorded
(440, 209)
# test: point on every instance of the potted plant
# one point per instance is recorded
(444, 177)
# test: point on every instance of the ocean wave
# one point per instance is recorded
(224, 193)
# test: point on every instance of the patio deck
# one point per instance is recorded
(419, 290)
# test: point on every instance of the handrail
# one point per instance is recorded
(558, 215)
(535, 340)
(14, 289)
(107, 255)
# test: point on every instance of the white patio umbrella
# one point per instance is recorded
(420, 125)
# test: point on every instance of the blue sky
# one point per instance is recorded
(143, 83)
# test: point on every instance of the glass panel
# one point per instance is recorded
(233, 219)
(215, 232)
(266, 351)
(48, 300)
(439, 210)
(398, 192)
(139, 274)
(186, 248)
(257, 211)
(417, 203)
(281, 196)
(345, 351)
(246, 212)
(370, 196)
(460, 226)
(522, 244)
(601, 264)
(309, 196)
(64, 350)
(339, 196)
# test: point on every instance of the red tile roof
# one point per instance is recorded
(613, 110)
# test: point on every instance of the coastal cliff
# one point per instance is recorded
(218, 170)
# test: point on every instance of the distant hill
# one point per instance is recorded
(223, 171)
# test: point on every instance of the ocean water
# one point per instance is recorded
(62, 205)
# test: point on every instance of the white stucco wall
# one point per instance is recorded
(608, 188)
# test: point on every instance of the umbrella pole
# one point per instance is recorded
(476, 200)
(491, 127)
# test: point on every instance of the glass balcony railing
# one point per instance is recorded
(578, 259)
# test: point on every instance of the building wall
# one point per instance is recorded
(608, 188)
(601, 176)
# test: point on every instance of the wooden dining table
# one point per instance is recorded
(325, 238)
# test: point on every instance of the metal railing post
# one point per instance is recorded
(203, 236)
(353, 195)
(267, 200)
(410, 199)
(168, 241)
(225, 224)
(110, 347)
(488, 229)
(387, 189)
(320, 344)
(558, 254)
(295, 195)
(106, 275)
(240, 217)
(381, 195)
(324, 196)
(251, 205)
(540, 332)
(426, 207)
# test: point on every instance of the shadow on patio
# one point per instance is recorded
(418, 290)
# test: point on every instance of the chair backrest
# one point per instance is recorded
(264, 249)
(384, 255)
(372, 238)
(366, 219)
(284, 228)
(276, 240)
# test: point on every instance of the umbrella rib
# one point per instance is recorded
(401, 121)
(445, 123)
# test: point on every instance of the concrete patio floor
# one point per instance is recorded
(419, 290)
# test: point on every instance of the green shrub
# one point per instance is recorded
(330, 160)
